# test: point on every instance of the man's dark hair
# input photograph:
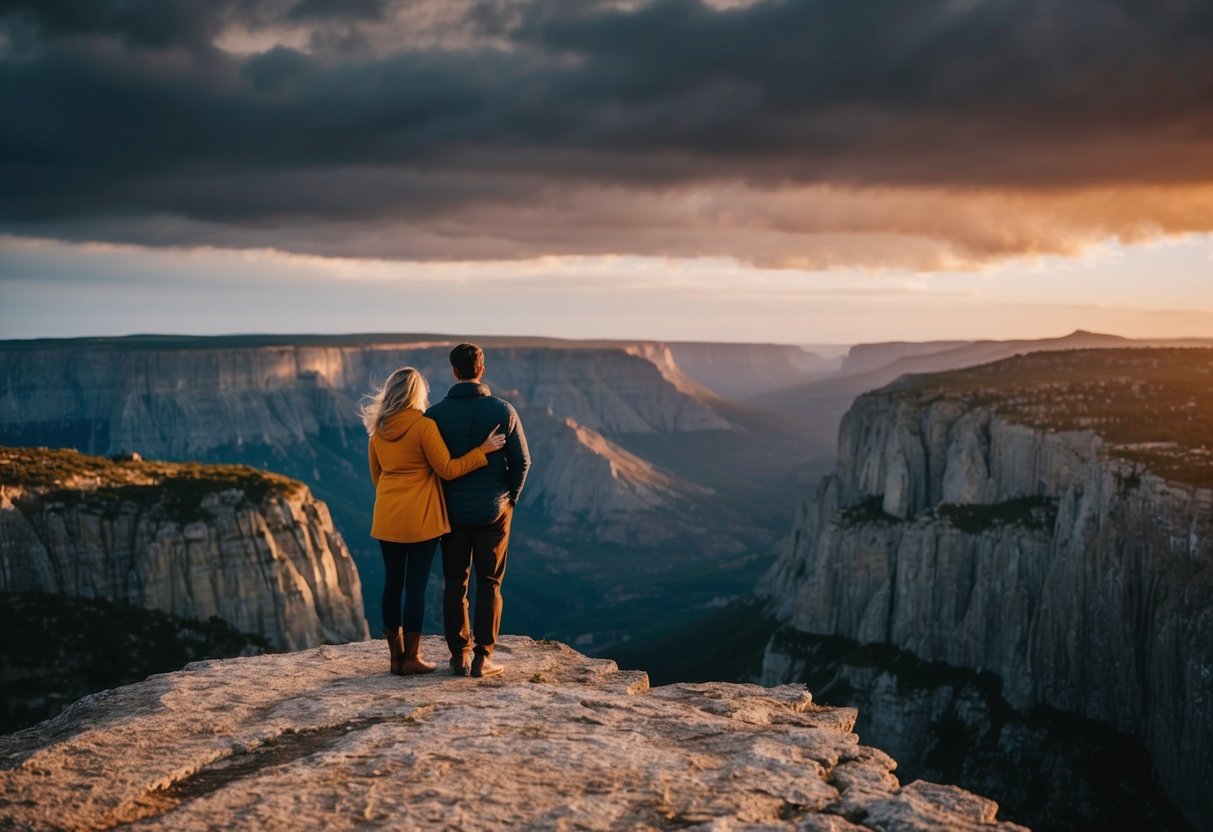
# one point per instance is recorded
(468, 361)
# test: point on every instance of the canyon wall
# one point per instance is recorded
(177, 400)
(257, 551)
(214, 401)
(962, 535)
(631, 456)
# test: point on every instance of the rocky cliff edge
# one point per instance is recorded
(326, 738)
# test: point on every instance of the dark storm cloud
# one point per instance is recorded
(327, 9)
(137, 23)
(278, 122)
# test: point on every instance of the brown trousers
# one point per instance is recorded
(484, 549)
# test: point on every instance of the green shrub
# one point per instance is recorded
(1038, 513)
(870, 510)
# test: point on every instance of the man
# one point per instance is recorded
(481, 507)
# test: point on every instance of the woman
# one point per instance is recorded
(407, 455)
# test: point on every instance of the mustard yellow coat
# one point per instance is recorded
(407, 457)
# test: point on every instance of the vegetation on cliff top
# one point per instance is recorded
(1153, 407)
(110, 484)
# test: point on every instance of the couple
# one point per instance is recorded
(410, 448)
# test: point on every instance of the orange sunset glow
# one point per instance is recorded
(835, 163)
(606, 415)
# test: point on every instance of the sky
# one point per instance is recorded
(803, 171)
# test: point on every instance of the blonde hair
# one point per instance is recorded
(404, 389)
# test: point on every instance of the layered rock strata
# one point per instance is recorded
(958, 530)
(590, 482)
(560, 741)
(251, 548)
(186, 400)
(293, 406)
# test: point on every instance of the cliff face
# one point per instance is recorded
(561, 741)
(298, 403)
(961, 528)
(255, 550)
(1048, 769)
(590, 482)
(184, 402)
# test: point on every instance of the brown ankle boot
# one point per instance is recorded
(413, 660)
(483, 667)
(395, 646)
(461, 665)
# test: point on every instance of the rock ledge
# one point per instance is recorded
(325, 738)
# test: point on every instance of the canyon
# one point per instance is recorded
(1046, 520)
(646, 482)
(1007, 570)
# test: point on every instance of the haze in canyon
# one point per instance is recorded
(863, 347)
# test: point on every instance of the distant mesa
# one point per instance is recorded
(869, 367)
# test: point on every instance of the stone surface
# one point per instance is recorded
(273, 565)
(1103, 608)
(326, 738)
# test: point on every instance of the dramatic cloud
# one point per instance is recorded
(915, 133)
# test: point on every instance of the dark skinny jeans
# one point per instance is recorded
(406, 568)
